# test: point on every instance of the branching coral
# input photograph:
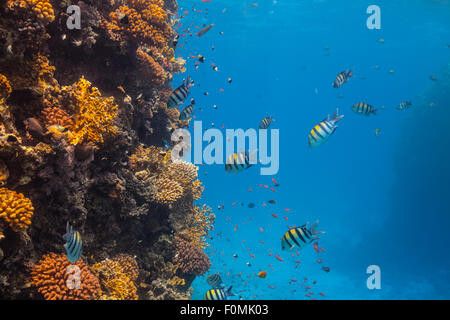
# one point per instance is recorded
(154, 72)
(167, 190)
(42, 8)
(94, 115)
(198, 222)
(128, 264)
(147, 22)
(183, 172)
(115, 281)
(5, 87)
(57, 279)
(15, 209)
(189, 258)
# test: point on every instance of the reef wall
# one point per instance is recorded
(83, 119)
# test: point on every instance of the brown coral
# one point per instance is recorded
(189, 258)
(5, 87)
(154, 72)
(55, 275)
(15, 209)
(183, 172)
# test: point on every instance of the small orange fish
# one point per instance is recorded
(262, 274)
(261, 229)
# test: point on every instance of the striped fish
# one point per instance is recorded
(322, 131)
(178, 95)
(187, 112)
(218, 294)
(404, 105)
(363, 108)
(73, 244)
(265, 123)
(342, 78)
(299, 237)
(215, 281)
(238, 162)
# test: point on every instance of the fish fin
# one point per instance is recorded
(349, 74)
(66, 236)
(336, 118)
(374, 111)
(313, 227)
(229, 293)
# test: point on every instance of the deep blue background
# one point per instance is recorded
(382, 200)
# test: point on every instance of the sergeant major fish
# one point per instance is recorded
(342, 78)
(218, 294)
(215, 281)
(238, 162)
(265, 123)
(178, 96)
(364, 108)
(299, 237)
(322, 131)
(187, 112)
(73, 244)
(404, 105)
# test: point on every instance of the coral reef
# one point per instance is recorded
(116, 279)
(189, 258)
(52, 277)
(15, 209)
(83, 120)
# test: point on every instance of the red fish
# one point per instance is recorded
(322, 294)
(279, 258)
(251, 255)
(261, 229)
(316, 247)
(274, 181)
(274, 215)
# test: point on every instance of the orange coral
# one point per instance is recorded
(198, 223)
(15, 209)
(42, 8)
(94, 116)
(5, 87)
(151, 68)
(147, 22)
(53, 279)
(144, 158)
(57, 116)
(4, 173)
(128, 264)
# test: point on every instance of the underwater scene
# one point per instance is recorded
(224, 150)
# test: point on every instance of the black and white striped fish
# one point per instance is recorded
(238, 162)
(215, 281)
(363, 108)
(299, 237)
(404, 105)
(73, 244)
(180, 94)
(187, 112)
(322, 131)
(342, 78)
(218, 294)
(265, 123)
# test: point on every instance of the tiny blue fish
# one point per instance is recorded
(73, 244)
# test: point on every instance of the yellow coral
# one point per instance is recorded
(198, 222)
(15, 209)
(42, 8)
(5, 87)
(4, 173)
(183, 172)
(95, 114)
(177, 281)
(167, 191)
(144, 158)
(116, 283)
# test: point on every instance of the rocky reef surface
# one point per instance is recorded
(83, 120)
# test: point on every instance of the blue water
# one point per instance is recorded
(381, 200)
